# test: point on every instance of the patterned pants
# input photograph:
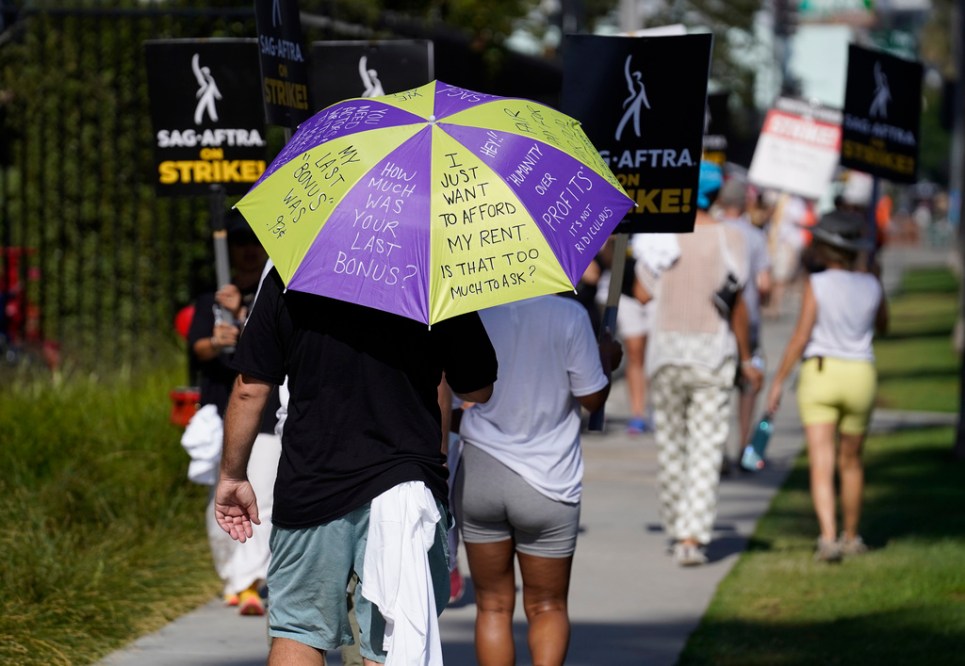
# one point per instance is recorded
(691, 411)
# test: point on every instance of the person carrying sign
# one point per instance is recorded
(214, 329)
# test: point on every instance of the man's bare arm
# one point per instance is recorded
(235, 506)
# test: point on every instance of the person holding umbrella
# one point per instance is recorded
(391, 224)
(363, 418)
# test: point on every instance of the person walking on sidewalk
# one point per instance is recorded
(362, 438)
(695, 352)
(732, 211)
(633, 324)
(840, 312)
(242, 569)
(519, 485)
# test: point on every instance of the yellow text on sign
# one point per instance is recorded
(205, 171)
(878, 156)
(286, 93)
(669, 200)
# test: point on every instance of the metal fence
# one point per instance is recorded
(93, 265)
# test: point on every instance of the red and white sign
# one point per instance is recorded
(797, 150)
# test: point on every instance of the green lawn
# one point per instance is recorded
(902, 603)
(917, 363)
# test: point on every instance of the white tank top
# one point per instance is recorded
(847, 304)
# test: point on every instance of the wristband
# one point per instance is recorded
(755, 362)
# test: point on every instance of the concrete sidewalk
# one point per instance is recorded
(629, 603)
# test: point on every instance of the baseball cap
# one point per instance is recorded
(710, 180)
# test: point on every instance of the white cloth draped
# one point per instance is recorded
(202, 442)
(396, 575)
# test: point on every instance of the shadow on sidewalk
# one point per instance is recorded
(591, 644)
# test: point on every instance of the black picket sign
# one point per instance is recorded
(346, 69)
(642, 102)
(284, 70)
(882, 115)
(206, 111)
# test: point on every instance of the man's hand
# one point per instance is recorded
(236, 508)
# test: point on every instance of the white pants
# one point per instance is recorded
(691, 413)
(241, 565)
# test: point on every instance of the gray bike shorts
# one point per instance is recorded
(494, 503)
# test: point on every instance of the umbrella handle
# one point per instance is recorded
(597, 421)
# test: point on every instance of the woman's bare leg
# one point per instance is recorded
(546, 586)
(634, 349)
(820, 438)
(852, 482)
(491, 566)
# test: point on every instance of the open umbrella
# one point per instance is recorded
(434, 202)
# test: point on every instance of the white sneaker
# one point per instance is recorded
(688, 555)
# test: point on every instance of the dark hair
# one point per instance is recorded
(825, 254)
(239, 232)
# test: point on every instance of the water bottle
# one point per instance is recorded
(753, 458)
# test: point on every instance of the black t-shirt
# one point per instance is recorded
(363, 412)
(216, 377)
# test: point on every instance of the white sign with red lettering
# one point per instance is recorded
(797, 150)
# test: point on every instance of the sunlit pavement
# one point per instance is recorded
(629, 604)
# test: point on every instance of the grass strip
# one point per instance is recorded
(106, 539)
(902, 603)
(917, 363)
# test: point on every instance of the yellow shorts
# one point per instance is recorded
(834, 390)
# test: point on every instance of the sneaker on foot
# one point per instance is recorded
(250, 603)
(828, 551)
(637, 426)
(231, 600)
(456, 586)
(855, 546)
(689, 555)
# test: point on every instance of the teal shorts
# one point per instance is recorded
(309, 574)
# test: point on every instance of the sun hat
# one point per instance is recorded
(841, 229)
(710, 180)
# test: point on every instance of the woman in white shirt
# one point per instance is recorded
(519, 483)
(840, 311)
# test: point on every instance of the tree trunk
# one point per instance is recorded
(957, 184)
